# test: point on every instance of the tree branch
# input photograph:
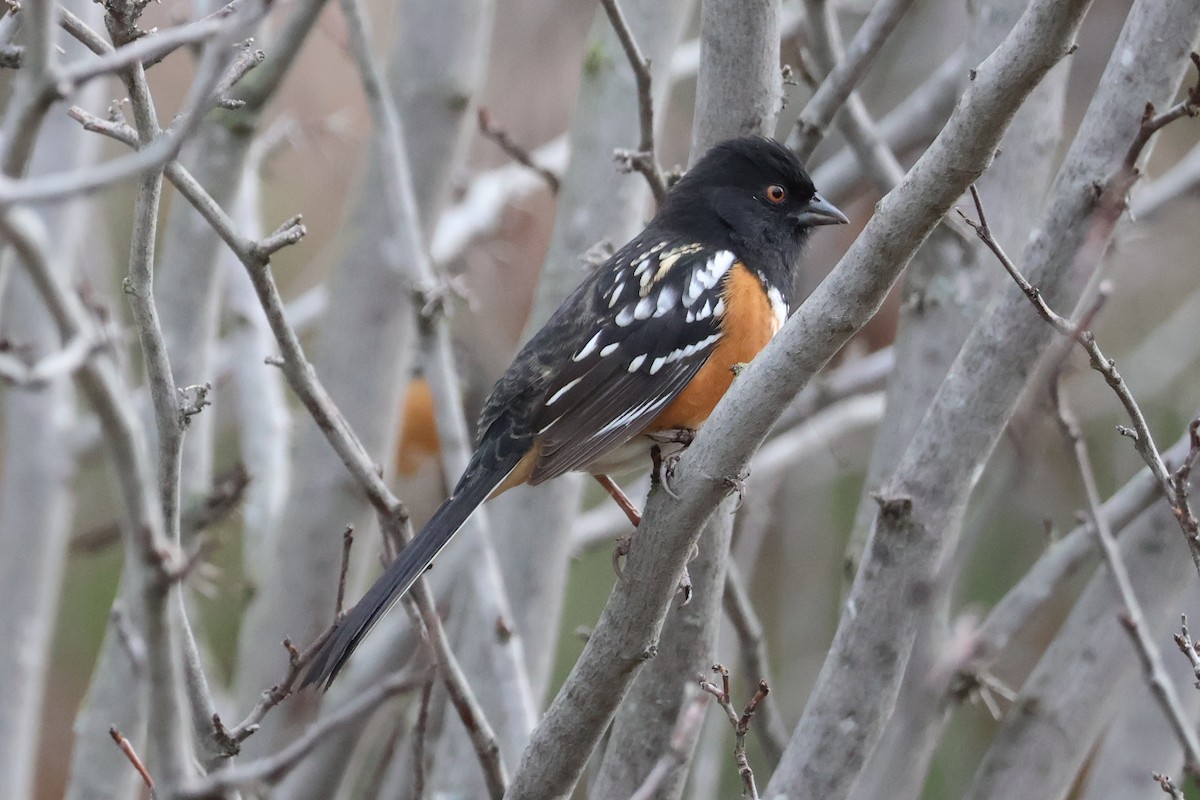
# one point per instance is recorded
(819, 112)
(1133, 619)
(643, 159)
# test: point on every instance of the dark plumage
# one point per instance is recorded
(644, 343)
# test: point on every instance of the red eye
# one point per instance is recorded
(776, 193)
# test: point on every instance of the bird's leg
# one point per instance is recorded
(622, 500)
(631, 511)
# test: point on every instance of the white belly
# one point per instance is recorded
(634, 455)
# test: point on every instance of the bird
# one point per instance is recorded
(641, 350)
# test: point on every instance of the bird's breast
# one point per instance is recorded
(753, 315)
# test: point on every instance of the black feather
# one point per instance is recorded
(580, 405)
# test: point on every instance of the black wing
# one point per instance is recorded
(661, 307)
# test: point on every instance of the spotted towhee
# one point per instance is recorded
(647, 344)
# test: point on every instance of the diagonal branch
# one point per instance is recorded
(1173, 486)
(1134, 619)
(821, 108)
(642, 160)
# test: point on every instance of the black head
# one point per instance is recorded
(752, 195)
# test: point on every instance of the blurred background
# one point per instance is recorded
(793, 533)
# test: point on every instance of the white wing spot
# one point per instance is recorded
(624, 316)
(684, 352)
(616, 294)
(668, 298)
(588, 348)
(629, 416)
(658, 364)
(554, 398)
(644, 308)
(609, 349)
(709, 275)
(637, 362)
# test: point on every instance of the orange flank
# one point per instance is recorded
(748, 324)
(418, 431)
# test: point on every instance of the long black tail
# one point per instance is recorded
(476, 484)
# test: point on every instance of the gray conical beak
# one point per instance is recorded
(820, 211)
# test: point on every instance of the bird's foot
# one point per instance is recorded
(620, 550)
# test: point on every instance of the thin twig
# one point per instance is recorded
(679, 746)
(1183, 640)
(272, 769)
(1168, 786)
(255, 257)
(513, 150)
(59, 364)
(420, 736)
(772, 733)
(164, 148)
(230, 740)
(1054, 569)
(740, 723)
(246, 60)
(402, 210)
(1171, 486)
(1133, 620)
(1181, 481)
(127, 748)
(347, 542)
(862, 134)
(824, 104)
(151, 48)
(642, 160)
(462, 697)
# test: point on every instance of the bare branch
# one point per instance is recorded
(772, 733)
(863, 135)
(61, 363)
(127, 748)
(451, 422)
(740, 723)
(1168, 786)
(1134, 620)
(296, 367)
(824, 104)
(246, 60)
(230, 740)
(679, 748)
(150, 48)
(201, 98)
(1188, 647)
(272, 769)
(1174, 487)
(514, 150)
(643, 159)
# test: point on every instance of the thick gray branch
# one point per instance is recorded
(628, 630)
(927, 496)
